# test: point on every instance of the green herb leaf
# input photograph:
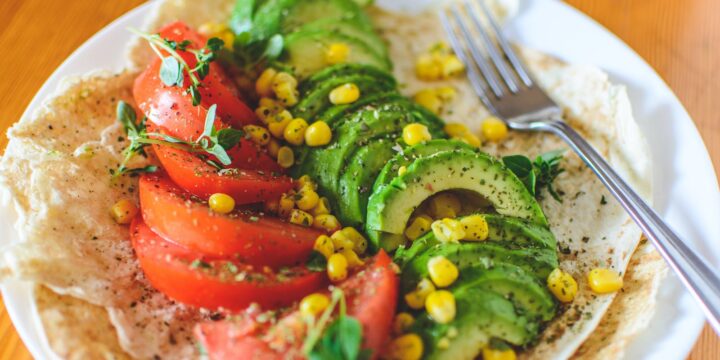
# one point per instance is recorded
(171, 72)
(519, 164)
(228, 138)
(274, 47)
(317, 262)
(143, 170)
(537, 174)
(210, 121)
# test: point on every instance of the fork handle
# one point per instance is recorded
(694, 272)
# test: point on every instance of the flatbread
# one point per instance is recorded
(55, 174)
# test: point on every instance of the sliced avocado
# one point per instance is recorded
(349, 27)
(304, 51)
(335, 113)
(412, 153)
(355, 184)
(317, 99)
(342, 70)
(307, 11)
(481, 315)
(390, 207)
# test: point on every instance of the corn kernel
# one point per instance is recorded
(286, 157)
(604, 281)
(419, 226)
(440, 305)
(285, 78)
(305, 181)
(426, 68)
(318, 134)
(402, 170)
(273, 148)
(287, 93)
(448, 230)
(456, 129)
(562, 285)
(345, 94)
(124, 211)
(337, 53)
(263, 85)
(430, 100)
(415, 134)
(352, 258)
(295, 131)
(221, 203)
(299, 217)
(324, 245)
(306, 198)
(442, 271)
(451, 65)
(269, 103)
(470, 139)
(443, 343)
(416, 298)
(326, 222)
(258, 134)
(406, 347)
(359, 241)
(494, 129)
(337, 267)
(286, 204)
(341, 241)
(402, 322)
(476, 228)
(446, 93)
(277, 123)
(322, 207)
(496, 354)
(445, 205)
(314, 304)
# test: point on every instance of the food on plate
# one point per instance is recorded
(316, 179)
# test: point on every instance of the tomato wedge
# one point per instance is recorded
(246, 236)
(210, 283)
(371, 297)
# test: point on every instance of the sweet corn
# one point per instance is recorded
(442, 271)
(326, 222)
(352, 258)
(470, 139)
(345, 94)
(426, 68)
(258, 134)
(402, 170)
(124, 211)
(306, 198)
(476, 228)
(494, 129)
(300, 217)
(322, 207)
(446, 93)
(221, 203)
(456, 129)
(324, 245)
(341, 241)
(419, 226)
(269, 103)
(273, 148)
(318, 134)
(448, 230)
(430, 100)
(314, 304)
(337, 267)
(286, 204)
(402, 322)
(285, 87)
(285, 78)
(445, 205)
(415, 133)
(277, 123)
(305, 181)
(406, 347)
(416, 298)
(337, 53)
(604, 281)
(264, 83)
(285, 157)
(295, 131)
(359, 241)
(562, 285)
(440, 305)
(496, 354)
(450, 65)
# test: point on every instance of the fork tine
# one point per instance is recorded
(492, 50)
(477, 84)
(488, 73)
(505, 45)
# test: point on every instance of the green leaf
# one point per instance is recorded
(220, 154)
(214, 44)
(196, 97)
(274, 47)
(142, 170)
(127, 117)
(341, 340)
(171, 72)
(317, 262)
(228, 138)
(518, 164)
(210, 121)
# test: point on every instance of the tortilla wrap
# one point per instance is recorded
(55, 174)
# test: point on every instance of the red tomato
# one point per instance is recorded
(211, 283)
(248, 237)
(371, 298)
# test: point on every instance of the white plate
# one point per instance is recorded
(686, 190)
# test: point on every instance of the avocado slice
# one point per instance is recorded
(410, 154)
(336, 113)
(481, 315)
(305, 49)
(307, 11)
(390, 207)
(349, 27)
(317, 99)
(343, 70)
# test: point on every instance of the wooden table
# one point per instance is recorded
(678, 38)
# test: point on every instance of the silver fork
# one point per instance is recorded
(509, 92)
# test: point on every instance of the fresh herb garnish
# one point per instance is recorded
(537, 174)
(174, 67)
(317, 262)
(252, 44)
(340, 339)
(211, 142)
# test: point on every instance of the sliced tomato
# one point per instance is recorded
(252, 238)
(371, 298)
(211, 283)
